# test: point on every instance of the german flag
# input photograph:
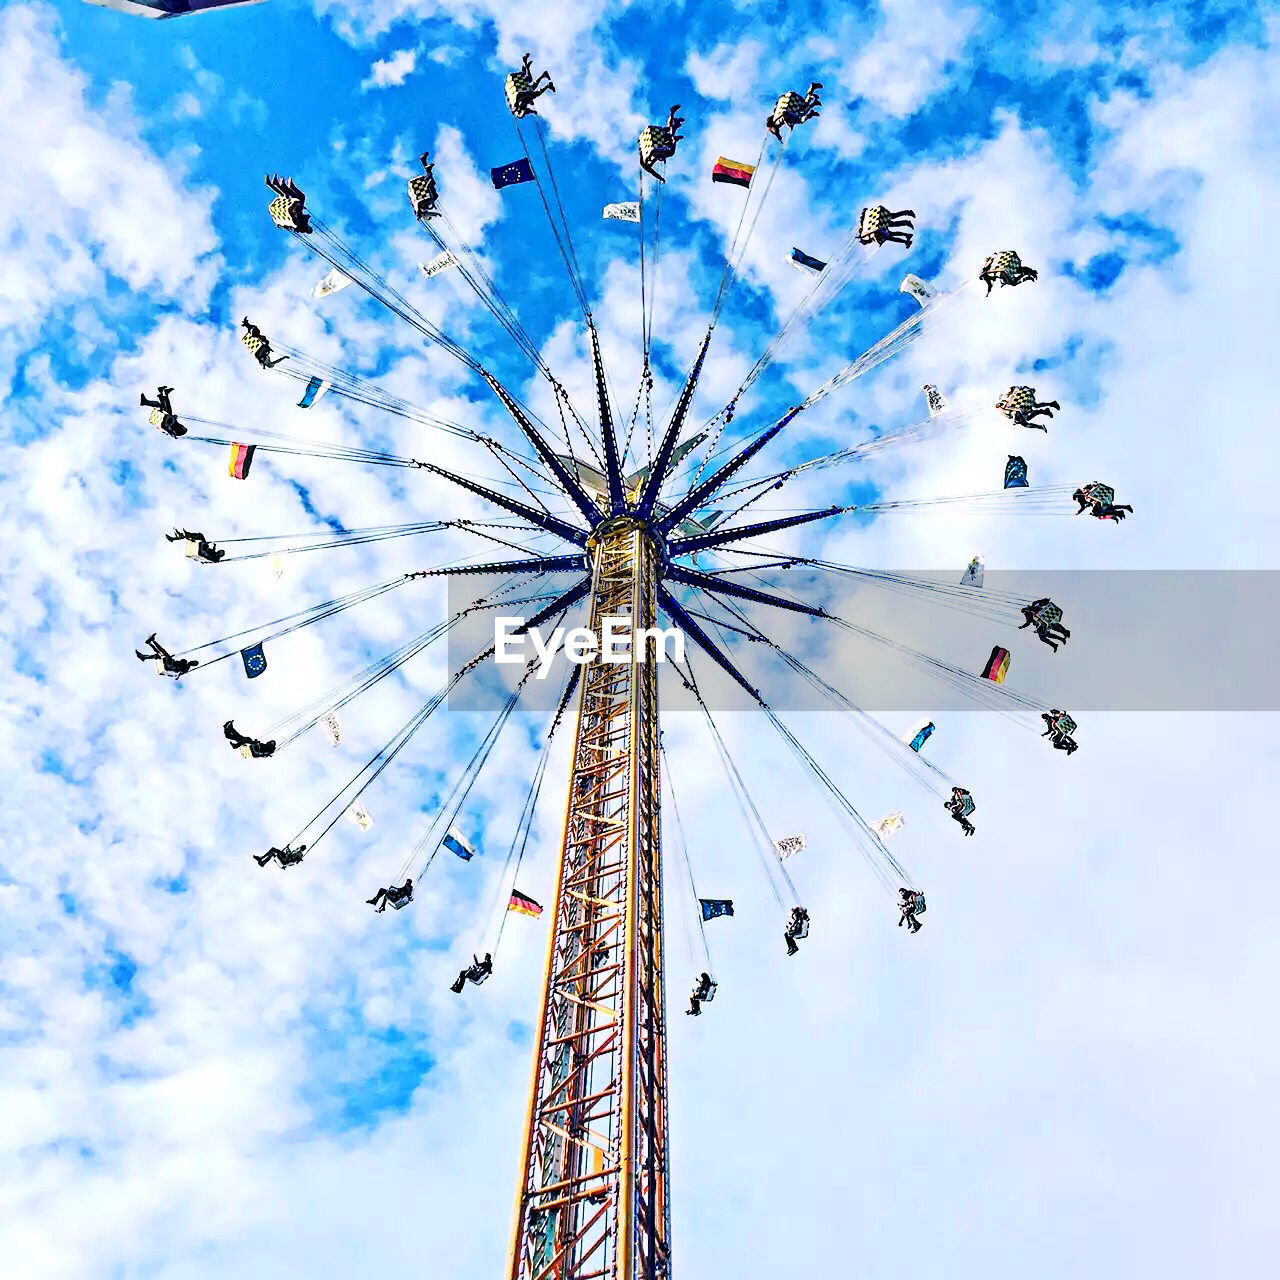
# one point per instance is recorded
(524, 904)
(997, 665)
(733, 172)
(241, 460)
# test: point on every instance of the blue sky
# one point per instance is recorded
(213, 1071)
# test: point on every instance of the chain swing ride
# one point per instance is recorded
(624, 511)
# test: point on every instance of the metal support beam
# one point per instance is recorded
(693, 500)
(723, 587)
(612, 459)
(535, 517)
(542, 564)
(700, 542)
(592, 1198)
(666, 450)
(568, 482)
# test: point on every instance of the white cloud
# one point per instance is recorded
(723, 72)
(570, 38)
(905, 61)
(392, 71)
(92, 201)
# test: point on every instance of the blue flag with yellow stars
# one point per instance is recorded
(507, 175)
(255, 661)
(1015, 473)
(712, 907)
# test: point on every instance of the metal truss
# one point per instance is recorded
(593, 1195)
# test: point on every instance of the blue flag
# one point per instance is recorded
(255, 661)
(1015, 473)
(315, 389)
(712, 907)
(456, 842)
(507, 175)
(922, 735)
(802, 259)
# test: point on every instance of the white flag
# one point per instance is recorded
(923, 293)
(936, 401)
(334, 282)
(788, 845)
(332, 729)
(889, 824)
(441, 262)
(973, 574)
(360, 816)
(628, 212)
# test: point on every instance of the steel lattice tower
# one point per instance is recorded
(592, 1200)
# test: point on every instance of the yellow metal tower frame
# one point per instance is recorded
(593, 1195)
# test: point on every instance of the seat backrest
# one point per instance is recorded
(871, 219)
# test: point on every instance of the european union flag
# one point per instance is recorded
(1015, 473)
(712, 907)
(507, 175)
(255, 661)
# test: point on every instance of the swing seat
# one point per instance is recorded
(423, 195)
(283, 212)
(1002, 264)
(788, 110)
(518, 83)
(657, 142)
(872, 221)
(1017, 400)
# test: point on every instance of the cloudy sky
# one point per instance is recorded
(211, 1070)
